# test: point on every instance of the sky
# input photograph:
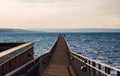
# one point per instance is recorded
(28, 14)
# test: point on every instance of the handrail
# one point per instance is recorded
(92, 64)
(98, 62)
(35, 61)
(23, 47)
(53, 46)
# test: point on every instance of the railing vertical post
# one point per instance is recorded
(81, 64)
(89, 69)
(99, 67)
(107, 70)
(93, 70)
(85, 60)
(77, 66)
(79, 69)
(118, 73)
(85, 72)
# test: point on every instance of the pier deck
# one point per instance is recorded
(59, 63)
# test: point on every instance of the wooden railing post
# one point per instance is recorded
(80, 65)
(93, 70)
(77, 65)
(80, 71)
(89, 69)
(85, 72)
(107, 70)
(118, 73)
(99, 67)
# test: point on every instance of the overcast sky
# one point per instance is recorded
(59, 14)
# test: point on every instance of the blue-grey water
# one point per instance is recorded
(104, 47)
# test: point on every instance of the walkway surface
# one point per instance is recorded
(59, 63)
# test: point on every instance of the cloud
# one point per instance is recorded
(64, 13)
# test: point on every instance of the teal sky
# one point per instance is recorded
(59, 14)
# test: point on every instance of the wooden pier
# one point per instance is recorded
(14, 55)
(61, 61)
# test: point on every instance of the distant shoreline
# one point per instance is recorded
(91, 30)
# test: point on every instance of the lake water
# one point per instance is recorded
(104, 47)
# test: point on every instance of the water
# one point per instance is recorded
(42, 41)
(104, 47)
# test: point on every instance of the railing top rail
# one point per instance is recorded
(14, 49)
(53, 45)
(22, 47)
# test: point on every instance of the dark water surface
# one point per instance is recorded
(104, 47)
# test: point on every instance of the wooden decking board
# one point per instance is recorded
(59, 63)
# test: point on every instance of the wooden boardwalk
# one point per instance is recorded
(60, 61)
(59, 64)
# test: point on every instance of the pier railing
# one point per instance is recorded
(32, 68)
(85, 66)
(90, 67)
(35, 67)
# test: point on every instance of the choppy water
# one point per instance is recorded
(104, 47)
(42, 41)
